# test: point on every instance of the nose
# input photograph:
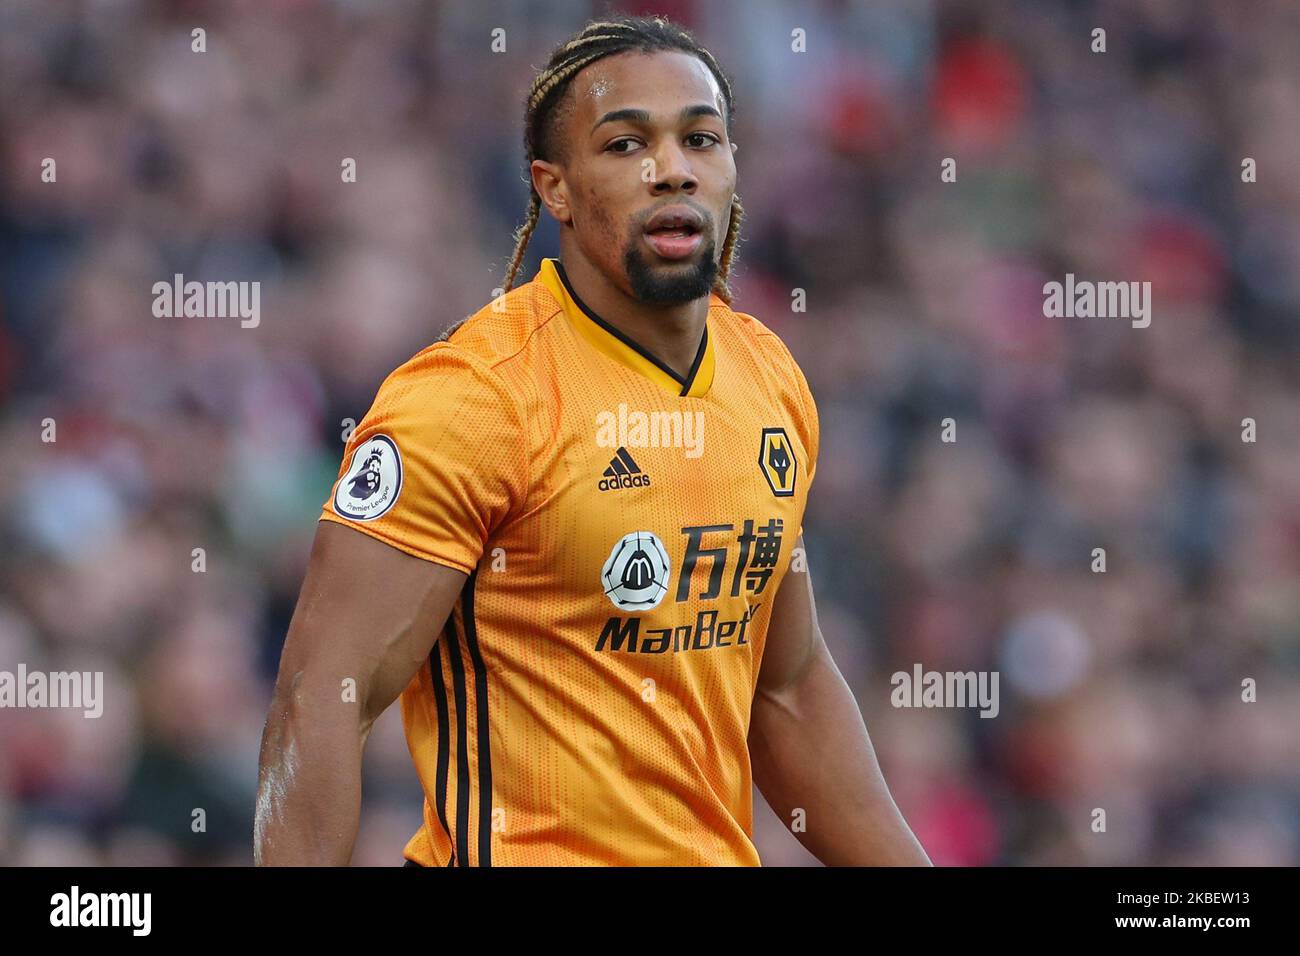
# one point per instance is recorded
(672, 172)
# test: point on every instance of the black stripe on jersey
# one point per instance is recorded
(483, 734)
(484, 748)
(632, 343)
(462, 762)
(695, 366)
(444, 730)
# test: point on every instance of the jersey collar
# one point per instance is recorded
(620, 347)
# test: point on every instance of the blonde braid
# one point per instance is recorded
(522, 235)
(720, 284)
(542, 87)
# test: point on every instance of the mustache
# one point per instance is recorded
(706, 217)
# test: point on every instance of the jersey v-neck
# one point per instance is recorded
(622, 348)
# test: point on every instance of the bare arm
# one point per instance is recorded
(810, 749)
(367, 612)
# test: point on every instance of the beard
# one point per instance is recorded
(683, 282)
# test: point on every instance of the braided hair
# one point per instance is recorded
(599, 39)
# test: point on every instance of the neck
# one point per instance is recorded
(671, 333)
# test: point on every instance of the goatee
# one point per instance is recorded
(670, 286)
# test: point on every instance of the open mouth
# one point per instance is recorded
(675, 233)
(684, 229)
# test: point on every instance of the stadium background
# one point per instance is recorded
(1118, 690)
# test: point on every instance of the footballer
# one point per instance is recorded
(602, 636)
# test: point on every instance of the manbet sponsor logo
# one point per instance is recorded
(624, 634)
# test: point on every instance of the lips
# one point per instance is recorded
(676, 219)
(675, 232)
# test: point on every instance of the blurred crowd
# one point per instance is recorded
(1121, 689)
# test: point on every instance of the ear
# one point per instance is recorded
(548, 180)
(735, 146)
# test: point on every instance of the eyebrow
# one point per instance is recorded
(634, 115)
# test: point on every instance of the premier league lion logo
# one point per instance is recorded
(367, 483)
(372, 482)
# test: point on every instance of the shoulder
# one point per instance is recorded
(764, 338)
(770, 347)
(475, 357)
(779, 362)
(505, 330)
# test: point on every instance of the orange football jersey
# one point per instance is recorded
(624, 532)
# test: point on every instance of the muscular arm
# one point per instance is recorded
(367, 612)
(810, 749)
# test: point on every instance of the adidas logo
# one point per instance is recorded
(623, 472)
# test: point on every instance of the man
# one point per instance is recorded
(569, 535)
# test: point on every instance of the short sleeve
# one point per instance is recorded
(437, 463)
